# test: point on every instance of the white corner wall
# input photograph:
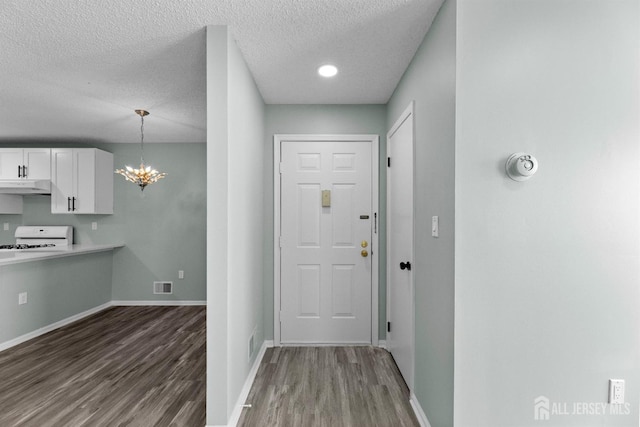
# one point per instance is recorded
(235, 131)
(217, 220)
(547, 271)
(246, 203)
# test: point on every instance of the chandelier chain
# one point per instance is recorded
(141, 139)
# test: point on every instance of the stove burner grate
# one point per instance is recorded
(25, 246)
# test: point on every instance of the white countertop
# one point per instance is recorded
(17, 257)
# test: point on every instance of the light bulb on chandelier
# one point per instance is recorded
(144, 175)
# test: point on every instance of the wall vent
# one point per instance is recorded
(250, 347)
(162, 287)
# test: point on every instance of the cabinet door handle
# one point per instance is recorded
(19, 169)
(68, 204)
(24, 171)
(73, 203)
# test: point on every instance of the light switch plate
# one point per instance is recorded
(435, 227)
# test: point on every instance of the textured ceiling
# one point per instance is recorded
(74, 70)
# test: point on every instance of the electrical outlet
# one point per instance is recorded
(616, 392)
(94, 225)
(22, 298)
(6, 226)
(180, 274)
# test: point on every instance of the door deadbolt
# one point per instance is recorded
(364, 244)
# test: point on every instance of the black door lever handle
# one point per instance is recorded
(405, 265)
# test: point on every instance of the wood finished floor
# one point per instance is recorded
(328, 386)
(124, 366)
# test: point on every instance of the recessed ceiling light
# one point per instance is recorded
(328, 70)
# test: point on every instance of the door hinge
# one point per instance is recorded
(388, 162)
(388, 326)
(280, 168)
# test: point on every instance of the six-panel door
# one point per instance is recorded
(326, 214)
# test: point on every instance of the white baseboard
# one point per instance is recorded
(244, 393)
(382, 344)
(417, 409)
(157, 303)
(26, 337)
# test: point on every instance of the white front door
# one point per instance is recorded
(400, 292)
(326, 226)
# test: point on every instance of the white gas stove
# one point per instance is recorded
(41, 238)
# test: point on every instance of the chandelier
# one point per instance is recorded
(144, 175)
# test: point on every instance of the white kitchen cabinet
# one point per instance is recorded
(31, 163)
(81, 181)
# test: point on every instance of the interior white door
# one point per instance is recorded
(400, 290)
(326, 229)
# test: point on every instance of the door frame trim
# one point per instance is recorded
(408, 112)
(375, 189)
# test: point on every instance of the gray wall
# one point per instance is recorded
(162, 228)
(320, 119)
(235, 278)
(430, 81)
(57, 289)
(547, 271)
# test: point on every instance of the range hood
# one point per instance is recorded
(25, 186)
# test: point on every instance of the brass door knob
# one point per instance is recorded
(364, 244)
(364, 253)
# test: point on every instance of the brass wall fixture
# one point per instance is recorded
(326, 198)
